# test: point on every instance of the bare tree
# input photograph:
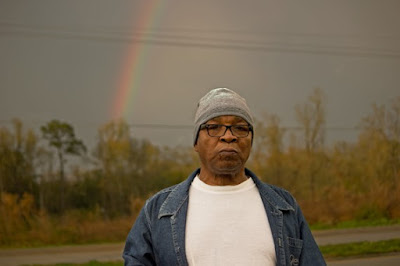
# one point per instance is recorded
(311, 117)
(61, 137)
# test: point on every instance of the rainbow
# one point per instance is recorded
(135, 61)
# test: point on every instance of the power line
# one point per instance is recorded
(179, 40)
(191, 127)
(191, 30)
(162, 126)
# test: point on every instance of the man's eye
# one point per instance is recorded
(212, 126)
(241, 128)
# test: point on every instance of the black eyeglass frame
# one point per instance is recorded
(207, 126)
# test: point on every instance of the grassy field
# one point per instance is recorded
(355, 224)
(360, 249)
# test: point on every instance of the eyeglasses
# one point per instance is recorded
(215, 130)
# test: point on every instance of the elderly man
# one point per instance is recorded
(222, 214)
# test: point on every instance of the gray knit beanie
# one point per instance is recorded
(218, 102)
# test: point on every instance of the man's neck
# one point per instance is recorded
(213, 179)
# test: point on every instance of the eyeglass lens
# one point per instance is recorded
(240, 131)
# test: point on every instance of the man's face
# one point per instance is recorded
(225, 155)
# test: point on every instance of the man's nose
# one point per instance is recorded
(228, 136)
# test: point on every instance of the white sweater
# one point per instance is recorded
(227, 225)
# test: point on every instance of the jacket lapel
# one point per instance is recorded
(175, 206)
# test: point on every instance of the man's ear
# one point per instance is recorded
(196, 149)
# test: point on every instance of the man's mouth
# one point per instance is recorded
(227, 151)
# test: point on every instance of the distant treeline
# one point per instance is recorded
(343, 181)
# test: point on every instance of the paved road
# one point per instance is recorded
(64, 254)
(372, 234)
(112, 252)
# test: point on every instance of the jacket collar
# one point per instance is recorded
(177, 197)
(180, 193)
(269, 194)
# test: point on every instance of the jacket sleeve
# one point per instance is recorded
(138, 247)
(311, 255)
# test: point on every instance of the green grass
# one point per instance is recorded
(355, 224)
(360, 249)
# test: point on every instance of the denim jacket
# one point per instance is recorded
(158, 235)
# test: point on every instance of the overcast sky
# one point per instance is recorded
(65, 60)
